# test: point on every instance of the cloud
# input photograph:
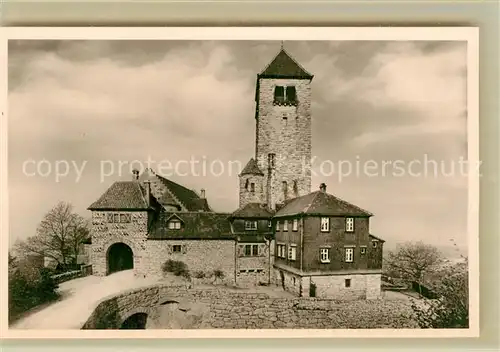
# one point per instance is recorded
(127, 100)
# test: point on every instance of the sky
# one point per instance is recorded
(94, 104)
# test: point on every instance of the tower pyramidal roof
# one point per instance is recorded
(284, 66)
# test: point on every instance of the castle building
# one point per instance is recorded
(310, 243)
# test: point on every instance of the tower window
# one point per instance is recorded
(285, 190)
(295, 188)
(246, 184)
(252, 187)
(279, 94)
(270, 160)
(290, 94)
(285, 95)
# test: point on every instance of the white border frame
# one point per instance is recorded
(468, 34)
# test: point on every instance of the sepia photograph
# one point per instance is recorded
(212, 182)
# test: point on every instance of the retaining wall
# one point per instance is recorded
(215, 308)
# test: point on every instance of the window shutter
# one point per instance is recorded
(240, 250)
(290, 93)
(110, 217)
(170, 249)
(262, 249)
(279, 93)
(184, 249)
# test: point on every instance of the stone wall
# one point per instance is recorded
(252, 270)
(246, 195)
(213, 308)
(198, 255)
(105, 234)
(286, 132)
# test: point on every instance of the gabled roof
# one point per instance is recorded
(123, 195)
(284, 66)
(320, 203)
(196, 225)
(253, 210)
(176, 194)
(251, 168)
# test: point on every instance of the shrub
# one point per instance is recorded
(28, 289)
(218, 274)
(176, 267)
(451, 308)
(199, 274)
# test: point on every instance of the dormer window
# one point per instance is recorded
(174, 224)
(285, 95)
(250, 225)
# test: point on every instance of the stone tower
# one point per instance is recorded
(251, 184)
(283, 129)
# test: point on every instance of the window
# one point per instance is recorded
(285, 190)
(292, 252)
(251, 250)
(325, 224)
(349, 255)
(279, 93)
(285, 225)
(363, 250)
(250, 225)
(119, 218)
(269, 223)
(347, 282)
(374, 243)
(177, 248)
(349, 224)
(295, 188)
(285, 94)
(324, 255)
(295, 225)
(259, 270)
(290, 93)
(252, 187)
(246, 184)
(270, 160)
(174, 224)
(277, 225)
(281, 250)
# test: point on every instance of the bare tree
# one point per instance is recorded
(58, 235)
(411, 260)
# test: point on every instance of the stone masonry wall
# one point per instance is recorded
(286, 132)
(198, 255)
(105, 234)
(252, 270)
(361, 286)
(246, 195)
(235, 310)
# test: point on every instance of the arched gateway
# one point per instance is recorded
(120, 257)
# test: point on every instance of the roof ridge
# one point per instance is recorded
(141, 192)
(312, 201)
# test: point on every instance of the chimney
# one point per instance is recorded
(135, 174)
(202, 193)
(322, 187)
(147, 185)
